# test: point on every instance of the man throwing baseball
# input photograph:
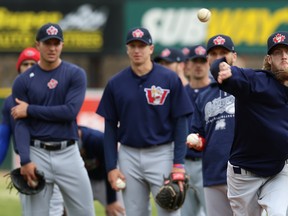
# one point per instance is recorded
(258, 166)
(145, 108)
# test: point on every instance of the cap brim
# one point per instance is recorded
(220, 45)
(197, 57)
(158, 59)
(51, 37)
(271, 48)
(129, 41)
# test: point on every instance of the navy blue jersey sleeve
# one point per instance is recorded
(21, 130)
(22, 140)
(181, 132)
(181, 103)
(110, 193)
(70, 108)
(240, 84)
(214, 69)
(110, 145)
(107, 107)
(197, 122)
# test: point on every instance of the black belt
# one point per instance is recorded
(238, 170)
(194, 158)
(52, 146)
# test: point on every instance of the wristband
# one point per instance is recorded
(180, 166)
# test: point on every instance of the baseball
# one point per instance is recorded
(33, 183)
(193, 138)
(120, 183)
(204, 15)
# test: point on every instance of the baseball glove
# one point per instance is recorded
(169, 196)
(17, 180)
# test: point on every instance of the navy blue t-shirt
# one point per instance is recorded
(55, 98)
(213, 119)
(146, 107)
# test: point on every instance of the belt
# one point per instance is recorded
(52, 146)
(238, 170)
(194, 158)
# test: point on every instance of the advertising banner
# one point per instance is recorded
(84, 23)
(175, 23)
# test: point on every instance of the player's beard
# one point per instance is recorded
(282, 76)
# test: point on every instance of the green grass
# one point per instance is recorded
(10, 203)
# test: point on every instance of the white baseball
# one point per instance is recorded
(120, 183)
(33, 183)
(204, 14)
(193, 138)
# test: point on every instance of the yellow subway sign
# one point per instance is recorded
(176, 23)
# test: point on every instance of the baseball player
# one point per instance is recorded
(91, 145)
(213, 120)
(173, 59)
(197, 69)
(27, 58)
(145, 108)
(48, 97)
(258, 170)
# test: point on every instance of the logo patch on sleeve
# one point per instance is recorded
(156, 95)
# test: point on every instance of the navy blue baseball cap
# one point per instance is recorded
(220, 41)
(48, 31)
(139, 34)
(170, 55)
(194, 52)
(275, 39)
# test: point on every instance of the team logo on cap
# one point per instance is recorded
(165, 53)
(200, 50)
(52, 84)
(52, 30)
(279, 38)
(137, 33)
(30, 53)
(185, 51)
(219, 40)
(156, 95)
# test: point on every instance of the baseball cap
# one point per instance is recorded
(197, 51)
(48, 31)
(140, 34)
(277, 38)
(220, 41)
(170, 55)
(29, 53)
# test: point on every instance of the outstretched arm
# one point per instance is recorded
(221, 70)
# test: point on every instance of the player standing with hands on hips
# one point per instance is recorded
(45, 137)
(258, 170)
(145, 108)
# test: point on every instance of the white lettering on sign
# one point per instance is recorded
(175, 26)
